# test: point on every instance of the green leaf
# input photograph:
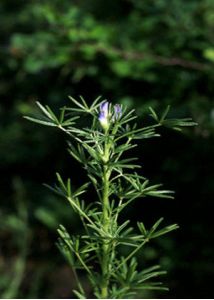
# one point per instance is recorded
(142, 228)
(46, 110)
(165, 113)
(77, 103)
(79, 295)
(164, 231)
(155, 226)
(42, 122)
(153, 114)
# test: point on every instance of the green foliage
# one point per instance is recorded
(147, 54)
(17, 223)
(100, 147)
(160, 44)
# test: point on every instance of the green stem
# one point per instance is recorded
(105, 219)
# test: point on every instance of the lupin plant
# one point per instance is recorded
(99, 148)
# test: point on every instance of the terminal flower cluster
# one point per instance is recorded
(107, 116)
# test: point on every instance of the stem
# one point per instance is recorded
(105, 219)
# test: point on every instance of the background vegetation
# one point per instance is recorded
(139, 53)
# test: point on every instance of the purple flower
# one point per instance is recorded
(104, 109)
(104, 115)
(107, 116)
(117, 111)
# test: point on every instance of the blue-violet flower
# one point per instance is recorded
(117, 111)
(104, 115)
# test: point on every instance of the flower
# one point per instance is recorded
(104, 115)
(117, 111)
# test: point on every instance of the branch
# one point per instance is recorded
(167, 61)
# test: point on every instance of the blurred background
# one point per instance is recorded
(138, 53)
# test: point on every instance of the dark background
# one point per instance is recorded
(134, 52)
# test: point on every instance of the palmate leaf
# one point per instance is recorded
(93, 152)
(167, 194)
(77, 153)
(127, 117)
(131, 280)
(145, 277)
(123, 164)
(48, 117)
(47, 111)
(154, 231)
(72, 250)
(83, 106)
(121, 292)
(136, 186)
(136, 134)
(122, 227)
(66, 190)
(122, 148)
(164, 230)
(176, 124)
(41, 121)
